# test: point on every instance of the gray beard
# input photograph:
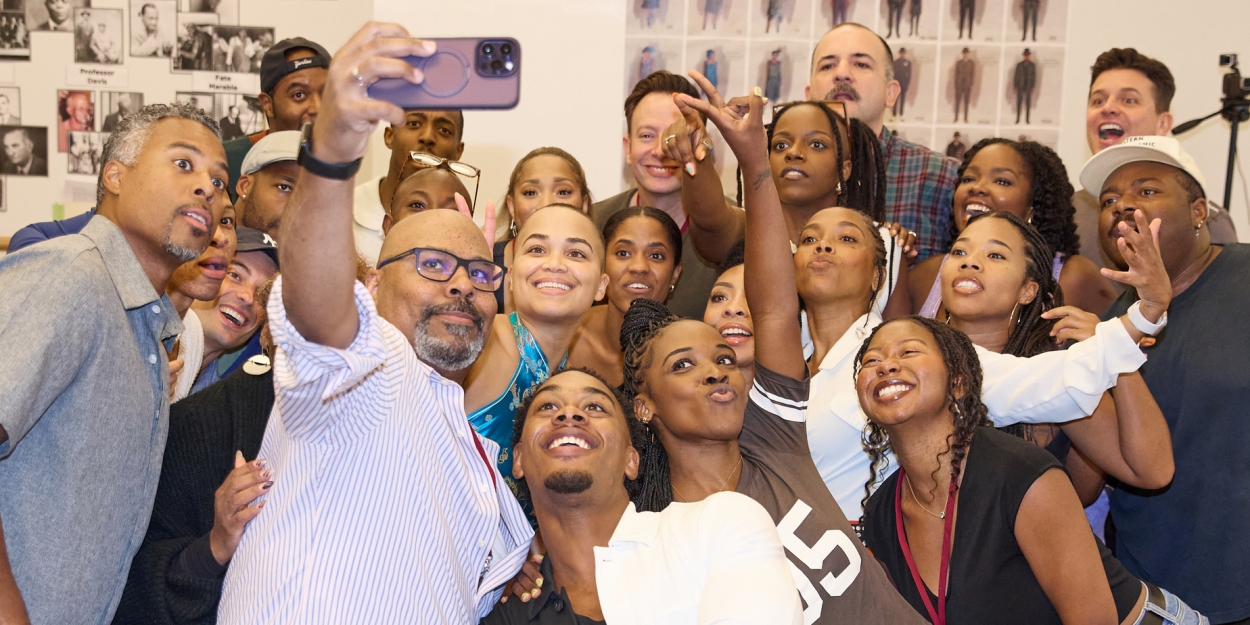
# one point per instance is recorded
(454, 355)
(568, 482)
(184, 254)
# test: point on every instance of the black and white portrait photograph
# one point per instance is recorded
(227, 11)
(84, 153)
(153, 27)
(98, 36)
(10, 106)
(25, 150)
(198, 99)
(14, 36)
(53, 15)
(114, 105)
(193, 49)
(240, 115)
(239, 49)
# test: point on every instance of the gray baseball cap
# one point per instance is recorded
(272, 148)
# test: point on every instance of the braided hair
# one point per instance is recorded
(637, 431)
(864, 190)
(1050, 193)
(963, 369)
(644, 321)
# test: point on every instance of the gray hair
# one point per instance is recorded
(134, 130)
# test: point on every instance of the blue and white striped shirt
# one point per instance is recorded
(382, 509)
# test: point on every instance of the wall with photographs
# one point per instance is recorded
(70, 69)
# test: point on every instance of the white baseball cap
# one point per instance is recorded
(272, 148)
(1166, 150)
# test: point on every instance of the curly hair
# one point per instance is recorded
(671, 229)
(963, 398)
(644, 321)
(637, 431)
(1031, 333)
(864, 190)
(1050, 193)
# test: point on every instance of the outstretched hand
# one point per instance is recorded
(1146, 272)
(740, 120)
(348, 115)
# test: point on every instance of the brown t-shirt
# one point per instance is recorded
(838, 580)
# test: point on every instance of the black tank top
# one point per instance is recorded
(990, 579)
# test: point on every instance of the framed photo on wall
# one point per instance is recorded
(25, 150)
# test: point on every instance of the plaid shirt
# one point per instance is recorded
(920, 185)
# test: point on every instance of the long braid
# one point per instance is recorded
(963, 397)
(643, 322)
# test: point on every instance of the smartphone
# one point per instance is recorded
(465, 73)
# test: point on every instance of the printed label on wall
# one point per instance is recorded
(221, 82)
(96, 76)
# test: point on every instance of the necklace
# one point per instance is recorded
(917, 500)
(722, 484)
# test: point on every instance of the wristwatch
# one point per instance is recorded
(332, 171)
(1143, 324)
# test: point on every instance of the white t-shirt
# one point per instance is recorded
(367, 214)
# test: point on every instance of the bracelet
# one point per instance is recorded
(1142, 324)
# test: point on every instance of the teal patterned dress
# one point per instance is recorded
(495, 420)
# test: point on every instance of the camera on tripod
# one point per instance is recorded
(1235, 107)
(1235, 86)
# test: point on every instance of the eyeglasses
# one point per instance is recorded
(424, 160)
(440, 266)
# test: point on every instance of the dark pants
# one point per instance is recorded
(962, 95)
(894, 21)
(1025, 98)
(914, 22)
(967, 8)
(839, 11)
(898, 104)
(1030, 10)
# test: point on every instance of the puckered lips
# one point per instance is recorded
(570, 441)
(891, 390)
(735, 333)
(722, 394)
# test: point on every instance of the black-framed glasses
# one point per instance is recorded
(440, 266)
(425, 159)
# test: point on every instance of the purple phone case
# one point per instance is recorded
(453, 80)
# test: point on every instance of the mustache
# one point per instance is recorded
(456, 306)
(842, 88)
(1115, 226)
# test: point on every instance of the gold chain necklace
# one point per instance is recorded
(917, 500)
(722, 484)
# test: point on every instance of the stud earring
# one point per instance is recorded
(838, 189)
(1198, 229)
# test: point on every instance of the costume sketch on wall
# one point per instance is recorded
(53, 15)
(85, 149)
(75, 113)
(773, 76)
(98, 36)
(227, 11)
(1024, 80)
(1033, 86)
(10, 106)
(711, 12)
(965, 75)
(654, 16)
(956, 148)
(153, 27)
(902, 73)
(1037, 21)
(25, 151)
(114, 105)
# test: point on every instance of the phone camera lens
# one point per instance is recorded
(506, 49)
(488, 49)
(496, 65)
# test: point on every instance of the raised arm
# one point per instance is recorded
(714, 225)
(318, 252)
(768, 274)
(1127, 436)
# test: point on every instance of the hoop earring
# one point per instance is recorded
(1013, 315)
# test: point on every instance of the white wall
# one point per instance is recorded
(1188, 37)
(572, 88)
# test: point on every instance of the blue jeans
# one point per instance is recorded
(1175, 611)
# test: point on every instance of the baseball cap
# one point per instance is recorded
(1166, 150)
(252, 240)
(274, 66)
(272, 148)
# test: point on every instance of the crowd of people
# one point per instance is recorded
(872, 384)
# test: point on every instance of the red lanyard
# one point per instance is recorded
(938, 617)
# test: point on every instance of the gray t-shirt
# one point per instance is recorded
(84, 399)
(838, 580)
(689, 298)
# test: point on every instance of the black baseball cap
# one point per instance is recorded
(274, 66)
(252, 240)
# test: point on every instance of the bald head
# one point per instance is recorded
(447, 230)
(566, 219)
